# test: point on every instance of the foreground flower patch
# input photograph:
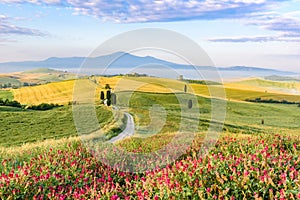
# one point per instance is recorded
(252, 167)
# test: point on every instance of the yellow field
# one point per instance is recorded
(62, 92)
(262, 85)
(242, 93)
(143, 84)
(59, 92)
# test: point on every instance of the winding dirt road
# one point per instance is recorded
(127, 132)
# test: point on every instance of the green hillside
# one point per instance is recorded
(41, 71)
(268, 83)
(9, 81)
(6, 94)
(25, 126)
(241, 117)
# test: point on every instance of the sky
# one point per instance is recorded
(260, 33)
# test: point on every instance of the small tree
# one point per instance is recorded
(185, 88)
(190, 104)
(108, 102)
(107, 86)
(113, 99)
(102, 95)
(108, 95)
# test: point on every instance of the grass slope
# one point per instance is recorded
(241, 93)
(5, 79)
(18, 127)
(240, 114)
(267, 83)
(242, 117)
(36, 76)
(6, 94)
(41, 70)
(270, 86)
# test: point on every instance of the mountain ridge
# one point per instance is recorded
(121, 60)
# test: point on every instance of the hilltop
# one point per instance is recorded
(34, 77)
(268, 86)
(42, 71)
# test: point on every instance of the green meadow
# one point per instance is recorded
(23, 126)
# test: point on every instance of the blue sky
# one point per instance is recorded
(262, 33)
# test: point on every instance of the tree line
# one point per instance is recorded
(16, 104)
(260, 100)
(15, 86)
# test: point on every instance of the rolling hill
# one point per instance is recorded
(256, 84)
(34, 77)
(62, 92)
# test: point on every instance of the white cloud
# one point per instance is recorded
(254, 12)
(286, 28)
(157, 10)
(6, 28)
(258, 38)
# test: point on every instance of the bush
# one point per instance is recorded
(260, 100)
(10, 103)
(43, 106)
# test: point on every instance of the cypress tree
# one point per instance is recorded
(102, 95)
(113, 99)
(190, 104)
(108, 95)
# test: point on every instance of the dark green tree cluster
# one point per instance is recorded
(110, 97)
(43, 106)
(16, 104)
(15, 86)
(6, 85)
(260, 100)
(10, 103)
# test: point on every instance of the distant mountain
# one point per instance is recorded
(123, 60)
(251, 69)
